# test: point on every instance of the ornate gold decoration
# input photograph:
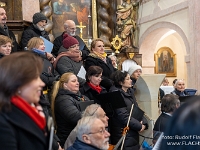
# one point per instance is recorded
(2, 4)
(117, 43)
(131, 55)
(81, 29)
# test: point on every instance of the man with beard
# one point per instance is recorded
(5, 31)
(91, 135)
(70, 29)
(37, 29)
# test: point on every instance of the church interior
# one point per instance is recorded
(162, 36)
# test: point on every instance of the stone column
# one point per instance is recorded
(104, 30)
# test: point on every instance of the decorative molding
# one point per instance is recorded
(163, 13)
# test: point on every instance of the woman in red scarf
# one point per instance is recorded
(92, 87)
(22, 122)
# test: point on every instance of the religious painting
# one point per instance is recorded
(166, 63)
(77, 10)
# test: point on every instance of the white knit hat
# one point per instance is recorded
(134, 68)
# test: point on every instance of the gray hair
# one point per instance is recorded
(110, 56)
(91, 110)
(84, 126)
(178, 80)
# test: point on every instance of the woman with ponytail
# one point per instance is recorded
(65, 103)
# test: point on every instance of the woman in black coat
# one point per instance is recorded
(92, 87)
(22, 122)
(66, 100)
(123, 83)
(98, 57)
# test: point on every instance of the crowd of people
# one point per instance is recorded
(36, 85)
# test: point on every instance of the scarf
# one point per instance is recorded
(29, 111)
(94, 87)
(74, 55)
(98, 55)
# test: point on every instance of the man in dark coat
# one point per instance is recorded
(91, 135)
(70, 29)
(37, 29)
(169, 103)
(5, 31)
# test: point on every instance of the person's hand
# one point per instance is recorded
(143, 127)
(50, 57)
(60, 148)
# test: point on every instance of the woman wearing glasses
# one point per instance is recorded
(92, 87)
(69, 57)
(66, 99)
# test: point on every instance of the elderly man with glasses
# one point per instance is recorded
(91, 135)
(70, 29)
(94, 110)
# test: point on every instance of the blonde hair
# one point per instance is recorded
(5, 40)
(34, 43)
(94, 43)
(57, 85)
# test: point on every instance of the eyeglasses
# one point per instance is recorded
(72, 29)
(73, 46)
(102, 131)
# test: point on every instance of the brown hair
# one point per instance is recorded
(169, 102)
(5, 40)
(94, 43)
(17, 70)
(92, 71)
(34, 43)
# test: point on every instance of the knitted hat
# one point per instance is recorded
(133, 68)
(37, 17)
(69, 41)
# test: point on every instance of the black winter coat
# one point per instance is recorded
(67, 113)
(120, 119)
(78, 145)
(49, 75)
(58, 43)
(31, 32)
(11, 35)
(161, 122)
(20, 132)
(107, 67)
(90, 93)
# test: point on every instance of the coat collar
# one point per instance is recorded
(21, 120)
(86, 87)
(83, 146)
